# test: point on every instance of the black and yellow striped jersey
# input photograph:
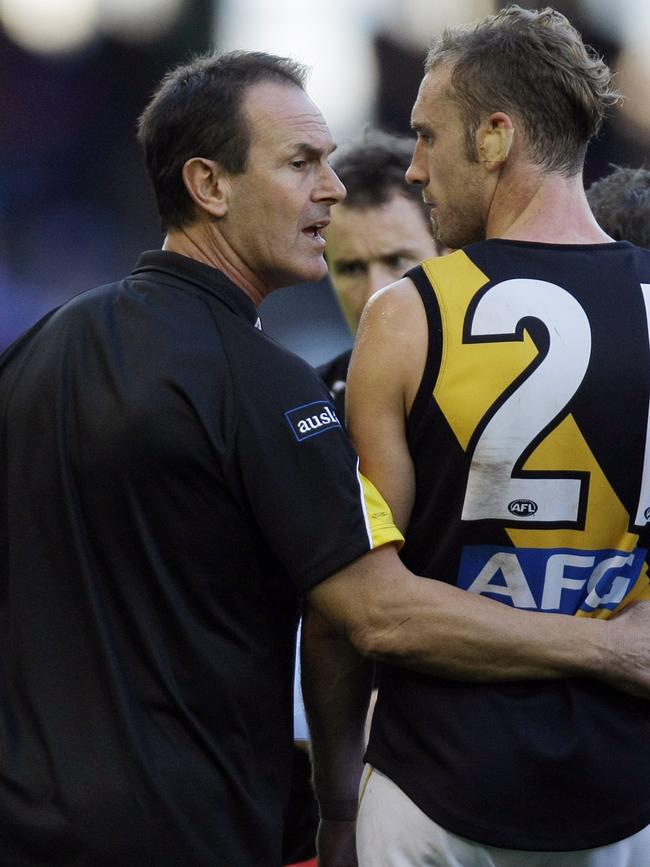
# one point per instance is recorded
(531, 445)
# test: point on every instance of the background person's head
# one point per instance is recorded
(519, 85)
(238, 156)
(382, 228)
(621, 204)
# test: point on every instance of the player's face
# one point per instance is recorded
(458, 188)
(280, 203)
(368, 248)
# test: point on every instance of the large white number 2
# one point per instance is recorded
(529, 412)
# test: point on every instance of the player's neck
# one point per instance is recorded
(545, 207)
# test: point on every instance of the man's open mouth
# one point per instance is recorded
(315, 229)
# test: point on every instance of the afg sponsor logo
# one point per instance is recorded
(562, 580)
(311, 419)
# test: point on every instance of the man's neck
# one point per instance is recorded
(543, 206)
(198, 243)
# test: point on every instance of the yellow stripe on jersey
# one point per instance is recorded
(607, 520)
(379, 518)
(472, 375)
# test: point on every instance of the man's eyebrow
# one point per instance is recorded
(311, 150)
(403, 251)
(354, 260)
(420, 127)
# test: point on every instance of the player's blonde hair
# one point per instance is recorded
(534, 66)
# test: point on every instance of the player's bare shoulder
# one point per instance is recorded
(395, 315)
(393, 329)
(395, 304)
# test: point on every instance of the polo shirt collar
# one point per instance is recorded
(183, 269)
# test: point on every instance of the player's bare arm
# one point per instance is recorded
(385, 372)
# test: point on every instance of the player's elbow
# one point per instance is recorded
(369, 643)
(369, 602)
(364, 639)
(378, 636)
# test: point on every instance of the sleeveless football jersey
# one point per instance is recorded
(530, 437)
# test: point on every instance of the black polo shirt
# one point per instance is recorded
(172, 479)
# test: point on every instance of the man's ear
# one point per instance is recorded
(207, 184)
(494, 140)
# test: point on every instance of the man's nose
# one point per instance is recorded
(331, 188)
(416, 173)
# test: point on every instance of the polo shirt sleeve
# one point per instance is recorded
(300, 472)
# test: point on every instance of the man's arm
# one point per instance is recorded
(344, 694)
(390, 615)
(336, 686)
(385, 371)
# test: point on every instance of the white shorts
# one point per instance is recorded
(393, 832)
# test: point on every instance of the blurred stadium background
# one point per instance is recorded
(75, 205)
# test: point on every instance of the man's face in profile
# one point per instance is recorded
(454, 184)
(279, 205)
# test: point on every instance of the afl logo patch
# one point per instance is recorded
(311, 419)
(522, 508)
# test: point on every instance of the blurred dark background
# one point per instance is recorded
(75, 205)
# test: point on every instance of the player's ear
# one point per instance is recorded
(207, 184)
(494, 140)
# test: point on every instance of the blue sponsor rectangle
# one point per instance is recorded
(312, 419)
(561, 580)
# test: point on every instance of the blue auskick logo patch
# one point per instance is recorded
(312, 419)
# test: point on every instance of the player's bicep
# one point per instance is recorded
(385, 372)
